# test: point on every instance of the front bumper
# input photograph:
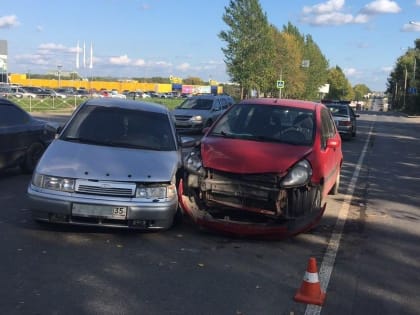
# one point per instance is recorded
(144, 215)
(278, 230)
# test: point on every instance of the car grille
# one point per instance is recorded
(104, 188)
(182, 117)
(255, 192)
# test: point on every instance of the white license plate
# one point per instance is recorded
(101, 211)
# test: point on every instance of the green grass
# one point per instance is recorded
(70, 103)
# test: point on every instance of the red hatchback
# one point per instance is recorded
(263, 169)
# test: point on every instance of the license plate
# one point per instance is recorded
(119, 213)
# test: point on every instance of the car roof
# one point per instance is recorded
(127, 104)
(282, 102)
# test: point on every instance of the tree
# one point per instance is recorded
(360, 90)
(249, 46)
(316, 72)
(340, 87)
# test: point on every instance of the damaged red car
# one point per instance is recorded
(263, 169)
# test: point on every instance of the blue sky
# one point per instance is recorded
(147, 38)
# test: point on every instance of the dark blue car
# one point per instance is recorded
(23, 138)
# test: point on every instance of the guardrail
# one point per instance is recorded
(36, 104)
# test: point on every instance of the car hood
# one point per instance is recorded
(250, 157)
(78, 160)
(190, 112)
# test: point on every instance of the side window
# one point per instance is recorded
(327, 127)
(217, 105)
(11, 115)
(224, 103)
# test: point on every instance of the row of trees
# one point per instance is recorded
(257, 54)
(404, 81)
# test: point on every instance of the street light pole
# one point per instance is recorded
(59, 74)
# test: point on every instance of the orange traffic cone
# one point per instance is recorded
(310, 290)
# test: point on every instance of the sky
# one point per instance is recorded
(146, 38)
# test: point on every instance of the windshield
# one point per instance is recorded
(267, 123)
(338, 110)
(121, 128)
(197, 103)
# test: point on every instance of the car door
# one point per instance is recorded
(330, 157)
(14, 134)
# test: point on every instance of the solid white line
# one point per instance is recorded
(329, 258)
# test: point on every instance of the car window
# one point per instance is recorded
(11, 115)
(217, 105)
(224, 103)
(121, 127)
(328, 129)
(267, 123)
(339, 110)
(197, 103)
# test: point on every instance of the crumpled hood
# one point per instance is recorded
(250, 157)
(77, 160)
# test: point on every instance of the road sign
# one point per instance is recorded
(412, 90)
(280, 84)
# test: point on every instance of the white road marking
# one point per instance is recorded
(328, 260)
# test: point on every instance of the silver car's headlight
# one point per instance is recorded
(53, 182)
(299, 175)
(197, 119)
(167, 191)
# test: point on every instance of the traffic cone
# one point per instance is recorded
(310, 289)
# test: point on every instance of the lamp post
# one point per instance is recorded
(59, 74)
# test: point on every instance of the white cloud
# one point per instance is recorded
(184, 67)
(8, 21)
(120, 60)
(39, 28)
(387, 69)
(334, 18)
(322, 8)
(409, 27)
(139, 62)
(381, 6)
(333, 12)
(350, 72)
(417, 2)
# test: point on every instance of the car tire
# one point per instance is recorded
(335, 188)
(33, 154)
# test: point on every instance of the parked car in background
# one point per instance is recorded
(263, 169)
(23, 138)
(198, 112)
(115, 164)
(20, 92)
(136, 95)
(54, 93)
(345, 118)
(39, 92)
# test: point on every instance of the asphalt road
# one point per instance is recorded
(366, 248)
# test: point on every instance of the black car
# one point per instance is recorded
(23, 138)
(344, 117)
